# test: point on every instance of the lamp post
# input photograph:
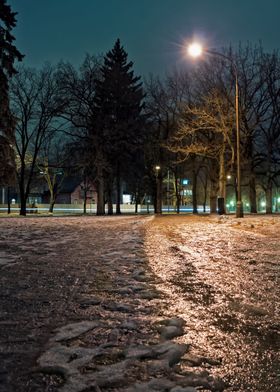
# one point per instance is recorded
(168, 191)
(158, 184)
(196, 50)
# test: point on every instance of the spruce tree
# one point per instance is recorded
(118, 105)
(8, 55)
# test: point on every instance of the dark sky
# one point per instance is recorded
(153, 32)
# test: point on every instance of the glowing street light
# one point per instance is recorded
(196, 50)
(158, 194)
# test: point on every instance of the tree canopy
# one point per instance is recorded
(8, 55)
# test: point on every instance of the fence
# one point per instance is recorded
(91, 209)
(66, 208)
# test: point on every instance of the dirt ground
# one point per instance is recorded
(119, 277)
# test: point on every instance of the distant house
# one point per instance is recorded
(72, 192)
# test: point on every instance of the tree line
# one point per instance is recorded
(102, 122)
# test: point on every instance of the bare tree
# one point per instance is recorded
(267, 139)
(254, 106)
(255, 72)
(206, 131)
(36, 103)
(163, 104)
(53, 164)
(79, 87)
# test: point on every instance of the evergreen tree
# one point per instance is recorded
(118, 105)
(8, 55)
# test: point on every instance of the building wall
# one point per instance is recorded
(63, 198)
(77, 196)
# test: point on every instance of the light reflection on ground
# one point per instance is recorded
(222, 276)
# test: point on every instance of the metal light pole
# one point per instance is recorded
(239, 204)
(158, 184)
(196, 50)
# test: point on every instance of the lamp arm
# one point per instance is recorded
(214, 53)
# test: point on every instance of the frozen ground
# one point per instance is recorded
(139, 304)
(222, 276)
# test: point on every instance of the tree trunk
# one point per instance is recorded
(137, 199)
(9, 200)
(268, 198)
(100, 209)
(177, 193)
(52, 201)
(159, 193)
(205, 194)
(23, 199)
(85, 202)
(51, 207)
(194, 191)
(213, 197)
(109, 195)
(22, 191)
(252, 195)
(118, 185)
(22, 206)
(222, 182)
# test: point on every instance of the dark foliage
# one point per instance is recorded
(118, 120)
(8, 55)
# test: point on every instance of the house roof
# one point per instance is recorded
(70, 184)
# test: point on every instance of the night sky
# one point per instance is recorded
(153, 32)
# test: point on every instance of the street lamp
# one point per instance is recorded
(158, 184)
(196, 50)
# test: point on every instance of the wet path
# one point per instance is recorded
(222, 277)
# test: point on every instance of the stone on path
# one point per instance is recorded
(171, 328)
(74, 330)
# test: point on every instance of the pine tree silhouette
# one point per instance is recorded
(118, 106)
(8, 55)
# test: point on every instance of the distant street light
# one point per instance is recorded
(196, 50)
(158, 185)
